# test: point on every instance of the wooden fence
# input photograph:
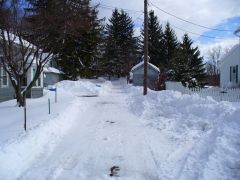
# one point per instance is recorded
(219, 94)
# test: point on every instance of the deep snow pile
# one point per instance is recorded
(204, 133)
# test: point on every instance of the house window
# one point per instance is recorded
(234, 74)
(51, 64)
(1, 58)
(4, 78)
(38, 82)
(230, 73)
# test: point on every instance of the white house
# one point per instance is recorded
(230, 67)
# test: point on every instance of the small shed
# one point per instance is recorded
(137, 75)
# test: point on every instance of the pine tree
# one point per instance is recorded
(156, 40)
(72, 27)
(45, 21)
(171, 46)
(188, 66)
(111, 54)
(121, 45)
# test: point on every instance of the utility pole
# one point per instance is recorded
(145, 81)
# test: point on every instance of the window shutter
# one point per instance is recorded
(236, 73)
(230, 73)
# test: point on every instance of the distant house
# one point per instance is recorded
(229, 68)
(137, 75)
(7, 91)
(51, 74)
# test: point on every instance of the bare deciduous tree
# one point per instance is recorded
(18, 54)
(214, 56)
(213, 65)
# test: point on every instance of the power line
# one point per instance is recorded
(211, 37)
(138, 17)
(194, 33)
(104, 6)
(226, 30)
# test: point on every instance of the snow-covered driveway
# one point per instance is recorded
(106, 135)
(165, 135)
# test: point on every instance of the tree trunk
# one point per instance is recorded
(20, 100)
(21, 97)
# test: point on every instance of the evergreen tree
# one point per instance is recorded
(171, 46)
(156, 40)
(46, 22)
(188, 65)
(121, 45)
(72, 27)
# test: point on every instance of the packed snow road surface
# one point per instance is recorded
(107, 134)
(110, 131)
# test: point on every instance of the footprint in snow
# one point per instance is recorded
(110, 122)
(114, 171)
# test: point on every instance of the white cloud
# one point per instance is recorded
(226, 43)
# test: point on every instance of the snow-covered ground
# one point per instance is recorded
(99, 124)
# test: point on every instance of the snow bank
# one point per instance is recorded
(79, 88)
(41, 139)
(204, 133)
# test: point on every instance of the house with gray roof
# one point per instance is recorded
(49, 76)
(7, 91)
(137, 75)
(52, 76)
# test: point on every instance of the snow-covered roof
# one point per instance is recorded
(234, 48)
(52, 70)
(14, 38)
(142, 63)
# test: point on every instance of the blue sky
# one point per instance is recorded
(230, 24)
